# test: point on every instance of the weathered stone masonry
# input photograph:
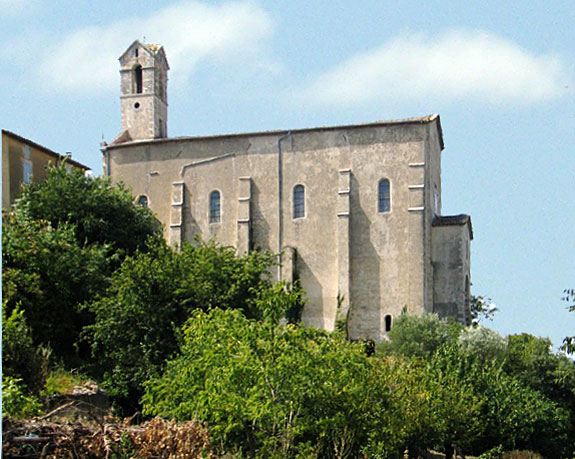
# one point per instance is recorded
(346, 248)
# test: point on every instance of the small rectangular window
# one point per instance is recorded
(26, 171)
(142, 201)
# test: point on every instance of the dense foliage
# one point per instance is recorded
(21, 360)
(99, 212)
(283, 391)
(198, 333)
(48, 275)
(264, 388)
(270, 391)
(138, 319)
(60, 244)
(526, 391)
(17, 402)
(420, 336)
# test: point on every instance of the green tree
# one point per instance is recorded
(515, 389)
(519, 417)
(138, 319)
(64, 237)
(506, 411)
(421, 335)
(21, 360)
(99, 212)
(47, 275)
(277, 391)
(531, 360)
(17, 402)
(484, 344)
(437, 406)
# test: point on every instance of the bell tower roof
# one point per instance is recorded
(154, 51)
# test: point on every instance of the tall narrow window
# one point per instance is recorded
(161, 87)
(26, 166)
(387, 323)
(215, 213)
(138, 79)
(26, 171)
(383, 196)
(298, 201)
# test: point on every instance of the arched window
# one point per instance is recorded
(142, 201)
(383, 196)
(138, 80)
(215, 213)
(298, 201)
(387, 322)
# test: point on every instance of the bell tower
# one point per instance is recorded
(144, 97)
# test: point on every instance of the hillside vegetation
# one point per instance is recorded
(92, 292)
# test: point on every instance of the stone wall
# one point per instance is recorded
(345, 251)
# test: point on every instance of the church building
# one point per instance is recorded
(354, 211)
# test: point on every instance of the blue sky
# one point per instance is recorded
(500, 74)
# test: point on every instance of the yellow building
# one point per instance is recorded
(24, 161)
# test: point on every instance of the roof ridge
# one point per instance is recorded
(414, 120)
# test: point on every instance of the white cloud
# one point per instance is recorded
(452, 66)
(85, 61)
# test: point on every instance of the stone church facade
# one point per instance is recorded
(354, 210)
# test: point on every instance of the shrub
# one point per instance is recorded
(272, 391)
(99, 212)
(421, 335)
(516, 416)
(484, 344)
(493, 453)
(62, 381)
(16, 402)
(138, 320)
(20, 358)
(160, 438)
(48, 276)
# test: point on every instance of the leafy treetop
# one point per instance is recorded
(100, 212)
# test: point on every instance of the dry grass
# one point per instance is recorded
(156, 438)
